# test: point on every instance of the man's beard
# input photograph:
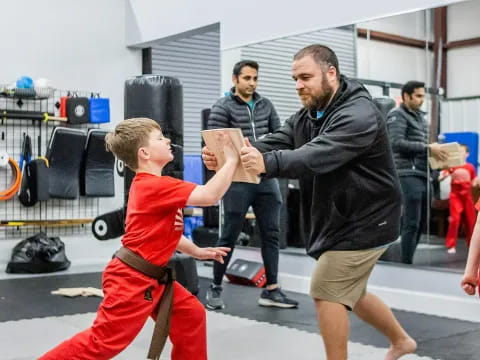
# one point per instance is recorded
(321, 101)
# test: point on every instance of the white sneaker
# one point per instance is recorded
(452, 250)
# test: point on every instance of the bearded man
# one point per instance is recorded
(338, 148)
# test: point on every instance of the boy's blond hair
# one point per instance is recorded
(129, 136)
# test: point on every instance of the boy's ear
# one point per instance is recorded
(143, 153)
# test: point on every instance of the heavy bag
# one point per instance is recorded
(78, 110)
(97, 171)
(99, 110)
(245, 272)
(38, 254)
(159, 98)
(110, 225)
(186, 271)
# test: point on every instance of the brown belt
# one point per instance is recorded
(164, 275)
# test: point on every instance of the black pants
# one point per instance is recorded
(266, 202)
(414, 191)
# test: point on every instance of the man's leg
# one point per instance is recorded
(267, 206)
(412, 191)
(235, 202)
(334, 328)
(372, 310)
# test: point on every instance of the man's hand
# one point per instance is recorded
(437, 152)
(252, 159)
(216, 253)
(209, 159)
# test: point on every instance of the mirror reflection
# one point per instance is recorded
(410, 64)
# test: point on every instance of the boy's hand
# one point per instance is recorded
(216, 253)
(209, 159)
(469, 283)
(252, 159)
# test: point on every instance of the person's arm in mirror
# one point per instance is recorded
(470, 277)
(437, 152)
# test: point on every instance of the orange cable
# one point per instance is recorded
(16, 181)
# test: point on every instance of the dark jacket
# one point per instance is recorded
(349, 187)
(232, 112)
(408, 132)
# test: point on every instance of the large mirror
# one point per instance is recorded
(438, 47)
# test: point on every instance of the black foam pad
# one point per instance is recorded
(65, 153)
(109, 225)
(97, 177)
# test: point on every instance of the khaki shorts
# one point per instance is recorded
(341, 276)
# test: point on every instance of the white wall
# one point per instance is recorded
(77, 45)
(462, 20)
(149, 20)
(410, 25)
(463, 74)
(389, 62)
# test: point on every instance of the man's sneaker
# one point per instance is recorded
(277, 298)
(214, 300)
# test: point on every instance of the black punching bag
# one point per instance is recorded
(384, 104)
(161, 99)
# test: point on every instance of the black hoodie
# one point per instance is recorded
(349, 186)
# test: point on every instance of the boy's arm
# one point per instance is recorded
(187, 247)
(210, 193)
(470, 277)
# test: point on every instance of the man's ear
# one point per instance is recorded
(234, 79)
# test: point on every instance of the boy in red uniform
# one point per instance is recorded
(460, 201)
(470, 279)
(154, 226)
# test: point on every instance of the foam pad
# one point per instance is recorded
(64, 153)
(109, 225)
(97, 179)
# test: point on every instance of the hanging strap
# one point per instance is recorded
(164, 275)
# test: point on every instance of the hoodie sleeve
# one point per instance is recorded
(350, 133)
(282, 138)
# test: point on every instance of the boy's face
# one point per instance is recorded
(464, 153)
(158, 149)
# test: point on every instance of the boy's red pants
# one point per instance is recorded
(460, 203)
(130, 298)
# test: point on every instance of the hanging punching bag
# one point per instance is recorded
(161, 99)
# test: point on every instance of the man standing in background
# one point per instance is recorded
(255, 115)
(408, 131)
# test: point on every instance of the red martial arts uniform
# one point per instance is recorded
(154, 225)
(461, 202)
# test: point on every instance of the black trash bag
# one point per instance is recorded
(38, 254)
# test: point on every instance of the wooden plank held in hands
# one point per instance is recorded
(210, 138)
